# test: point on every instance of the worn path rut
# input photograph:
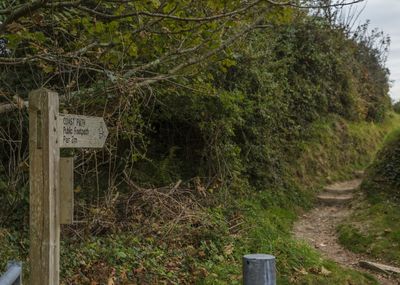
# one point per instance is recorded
(318, 227)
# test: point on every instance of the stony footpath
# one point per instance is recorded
(318, 228)
(339, 194)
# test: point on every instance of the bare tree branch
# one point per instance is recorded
(195, 60)
(167, 16)
(22, 11)
(295, 5)
(18, 104)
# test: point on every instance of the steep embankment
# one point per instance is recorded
(333, 151)
(373, 228)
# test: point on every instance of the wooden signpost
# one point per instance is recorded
(81, 131)
(51, 178)
(44, 157)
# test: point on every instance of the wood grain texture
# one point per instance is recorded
(44, 188)
(66, 190)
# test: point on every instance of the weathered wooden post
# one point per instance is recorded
(48, 132)
(66, 190)
(44, 155)
(259, 269)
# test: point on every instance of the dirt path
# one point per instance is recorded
(318, 228)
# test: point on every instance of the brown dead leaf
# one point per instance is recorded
(203, 272)
(320, 271)
(302, 271)
(325, 272)
(15, 27)
(37, 19)
(228, 250)
(139, 270)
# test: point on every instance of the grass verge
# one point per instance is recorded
(374, 227)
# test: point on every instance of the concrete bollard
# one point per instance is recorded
(259, 269)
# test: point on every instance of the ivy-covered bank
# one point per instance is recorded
(225, 118)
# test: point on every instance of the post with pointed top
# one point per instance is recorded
(44, 153)
(259, 269)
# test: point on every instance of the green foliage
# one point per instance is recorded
(352, 238)
(396, 107)
(297, 262)
(383, 176)
(373, 229)
(261, 101)
(209, 251)
(325, 138)
(245, 126)
(14, 247)
(237, 116)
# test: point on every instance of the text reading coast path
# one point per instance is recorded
(76, 131)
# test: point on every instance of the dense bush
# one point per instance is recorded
(235, 123)
(261, 101)
(396, 107)
(383, 177)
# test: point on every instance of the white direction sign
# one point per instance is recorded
(75, 131)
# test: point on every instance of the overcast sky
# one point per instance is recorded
(385, 15)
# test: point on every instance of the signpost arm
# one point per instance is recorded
(44, 188)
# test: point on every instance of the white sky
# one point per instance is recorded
(385, 15)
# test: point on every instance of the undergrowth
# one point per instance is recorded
(208, 249)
